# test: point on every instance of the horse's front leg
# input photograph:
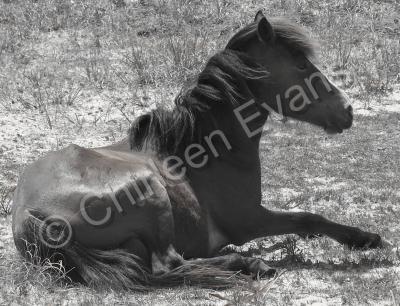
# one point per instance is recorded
(268, 223)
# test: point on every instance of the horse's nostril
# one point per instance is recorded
(350, 109)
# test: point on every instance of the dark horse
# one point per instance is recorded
(154, 209)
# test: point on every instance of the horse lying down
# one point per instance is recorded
(154, 209)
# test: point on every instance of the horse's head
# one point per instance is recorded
(295, 87)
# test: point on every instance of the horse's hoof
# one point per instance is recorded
(262, 270)
(375, 242)
(270, 273)
(366, 241)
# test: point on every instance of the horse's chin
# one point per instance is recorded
(332, 130)
(339, 125)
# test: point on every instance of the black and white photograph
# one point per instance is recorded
(193, 152)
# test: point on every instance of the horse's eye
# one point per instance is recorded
(302, 66)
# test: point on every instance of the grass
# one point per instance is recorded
(80, 71)
(5, 201)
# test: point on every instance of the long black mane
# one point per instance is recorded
(223, 82)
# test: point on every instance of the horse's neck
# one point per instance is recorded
(241, 144)
(235, 169)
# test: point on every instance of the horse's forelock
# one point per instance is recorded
(293, 36)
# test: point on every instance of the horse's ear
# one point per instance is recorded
(265, 31)
(259, 15)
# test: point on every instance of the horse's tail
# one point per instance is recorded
(116, 268)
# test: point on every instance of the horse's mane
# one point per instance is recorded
(221, 83)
